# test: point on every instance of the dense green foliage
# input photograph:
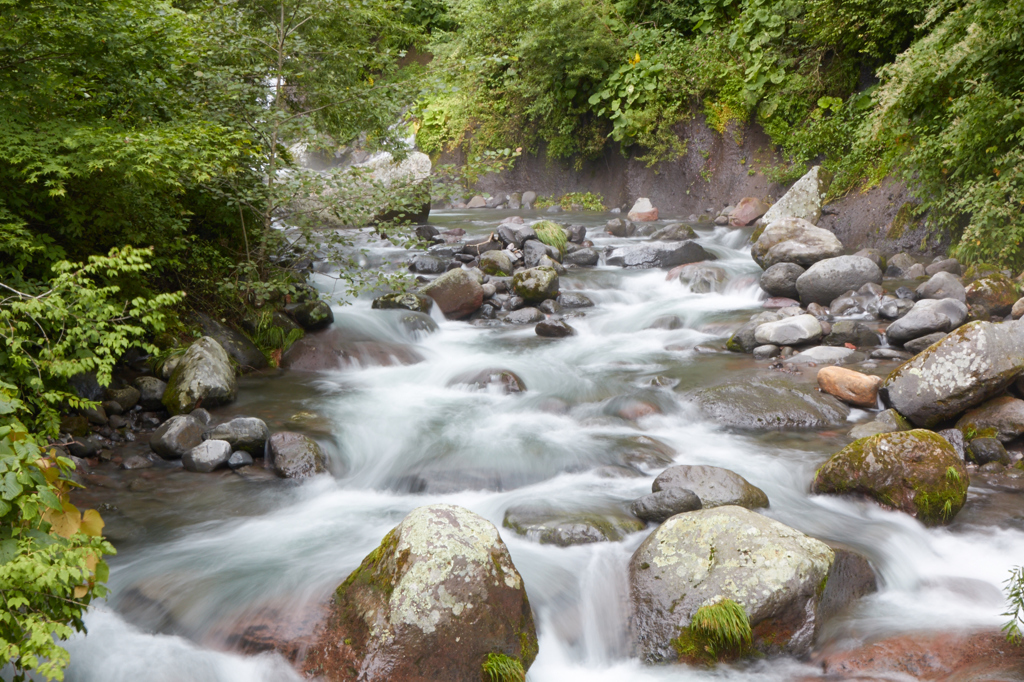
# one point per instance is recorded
(929, 91)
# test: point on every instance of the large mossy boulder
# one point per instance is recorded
(917, 472)
(776, 574)
(241, 349)
(204, 376)
(536, 284)
(439, 599)
(772, 403)
(974, 363)
(994, 294)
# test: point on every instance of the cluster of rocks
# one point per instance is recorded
(511, 275)
(173, 415)
(509, 200)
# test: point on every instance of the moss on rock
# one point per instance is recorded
(917, 472)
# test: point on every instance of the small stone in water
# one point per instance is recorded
(239, 459)
(555, 329)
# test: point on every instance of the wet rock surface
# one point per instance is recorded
(204, 375)
(714, 486)
(432, 602)
(774, 403)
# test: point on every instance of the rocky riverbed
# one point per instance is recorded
(566, 442)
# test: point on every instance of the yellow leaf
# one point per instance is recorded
(81, 591)
(64, 523)
(91, 560)
(92, 523)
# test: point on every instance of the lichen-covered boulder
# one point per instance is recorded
(435, 601)
(773, 403)
(204, 375)
(714, 486)
(293, 455)
(776, 574)
(917, 472)
(792, 240)
(1001, 418)
(536, 284)
(243, 433)
(803, 199)
(550, 525)
(974, 363)
(995, 294)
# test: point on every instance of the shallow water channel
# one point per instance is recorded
(218, 550)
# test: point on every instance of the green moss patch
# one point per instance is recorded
(551, 234)
(502, 668)
(717, 632)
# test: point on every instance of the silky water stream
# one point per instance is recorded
(218, 550)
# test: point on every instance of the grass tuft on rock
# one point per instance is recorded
(718, 631)
(502, 668)
(551, 234)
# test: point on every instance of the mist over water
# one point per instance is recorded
(223, 553)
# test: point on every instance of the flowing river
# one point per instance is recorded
(218, 550)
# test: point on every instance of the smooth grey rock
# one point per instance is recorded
(524, 316)
(204, 375)
(852, 332)
(136, 462)
(243, 433)
(239, 459)
(697, 558)
(554, 329)
(293, 455)
(658, 255)
(529, 198)
(928, 316)
(242, 350)
(790, 331)
(780, 280)
(716, 487)
(151, 392)
(987, 450)
(766, 352)
(827, 279)
(886, 421)
(572, 299)
(824, 355)
(792, 240)
(585, 257)
(176, 436)
(535, 249)
(942, 285)
(974, 363)
(664, 504)
(950, 265)
(917, 345)
(457, 293)
(207, 456)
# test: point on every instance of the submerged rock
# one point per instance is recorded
(204, 375)
(413, 302)
(776, 574)
(436, 600)
(974, 363)
(773, 403)
(917, 472)
(550, 526)
(501, 380)
(714, 486)
(337, 348)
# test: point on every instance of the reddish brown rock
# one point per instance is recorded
(851, 387)
(643, 211)
(952, 657)
(747, 211)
